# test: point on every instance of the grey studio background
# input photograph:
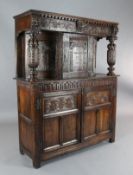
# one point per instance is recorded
(102, 159)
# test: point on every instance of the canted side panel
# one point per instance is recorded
(51, 132)
(89, 123)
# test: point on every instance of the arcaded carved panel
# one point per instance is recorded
(96, 98)
(58, 104)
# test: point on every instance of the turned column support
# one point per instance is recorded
(111, 55)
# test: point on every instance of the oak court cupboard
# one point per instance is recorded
(63, 104)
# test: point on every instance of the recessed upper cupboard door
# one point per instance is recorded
(79, 55)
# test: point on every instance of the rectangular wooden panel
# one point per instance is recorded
(79, 54)
(93, 98)
(51, 132)
(26, 134)
(24, 101)
(70, 128)
(89, 128)
(104, 119)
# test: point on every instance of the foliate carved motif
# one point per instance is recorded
(95, 98)
(57, 104)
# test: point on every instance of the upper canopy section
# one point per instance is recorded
(41, 20)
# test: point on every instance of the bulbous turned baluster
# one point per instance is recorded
(111, 56)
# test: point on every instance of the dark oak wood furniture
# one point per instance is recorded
(63, 105)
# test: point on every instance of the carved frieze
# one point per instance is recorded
(57, 104)
(49, 86)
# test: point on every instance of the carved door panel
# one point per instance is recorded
(61, 119)
(79, 55)
(97, 111)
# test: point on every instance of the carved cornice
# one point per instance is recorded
(66, 23)
(66, 17)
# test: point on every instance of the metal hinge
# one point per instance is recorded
(38, 104)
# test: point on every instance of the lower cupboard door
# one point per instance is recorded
(96, 122)
(60, 131)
